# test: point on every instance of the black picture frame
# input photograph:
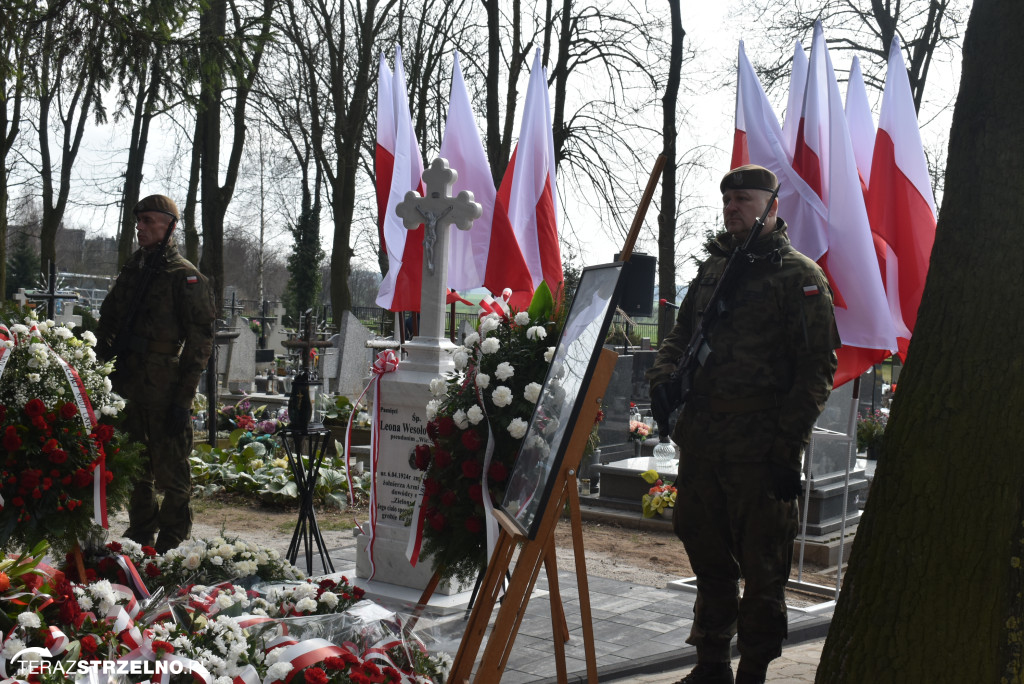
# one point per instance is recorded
(565, 385)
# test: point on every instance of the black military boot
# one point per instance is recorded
(709, 673)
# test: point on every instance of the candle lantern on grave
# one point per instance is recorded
(300, 405)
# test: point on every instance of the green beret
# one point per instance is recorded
(749, 177)
(160, 203)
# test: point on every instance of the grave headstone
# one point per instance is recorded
(613, 431)
(403, 394)
(465, 328)
(350, 359)
(241, 361)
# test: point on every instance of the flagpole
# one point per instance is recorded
(641, 211)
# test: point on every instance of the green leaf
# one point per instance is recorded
(650, 477)
(235, 435)
(542, 303)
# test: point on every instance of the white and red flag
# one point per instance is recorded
(900, 201)
(528, 189)
(795, 101)
(400, 289)
(488, 254)
(384, 151)
(861, 123)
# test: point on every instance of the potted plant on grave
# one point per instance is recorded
(494, 389)
(870, 432)
(660, 499)
(57, 418)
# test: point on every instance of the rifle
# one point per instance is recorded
(698, 350)
(123, 339)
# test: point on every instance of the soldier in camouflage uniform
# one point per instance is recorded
(160, 353)
(744, 425)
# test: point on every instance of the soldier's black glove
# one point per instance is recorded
(664, 399)
(785, 482)
(178, 419)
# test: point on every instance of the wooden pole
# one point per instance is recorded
(641, 210)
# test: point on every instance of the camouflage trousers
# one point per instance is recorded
(167, 523)
(732, 526)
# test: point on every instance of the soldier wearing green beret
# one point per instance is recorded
(748, 417)
(158, 323)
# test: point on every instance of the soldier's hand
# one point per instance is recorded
(785, 482)
(178, 419)
(664, 399)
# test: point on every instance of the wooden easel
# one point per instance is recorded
(533, 553)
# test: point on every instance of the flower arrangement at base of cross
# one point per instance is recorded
(494, 389)
(296, 632)
(57, 432)
(871, 431)
(660, 498)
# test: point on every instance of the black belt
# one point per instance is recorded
(708, 404)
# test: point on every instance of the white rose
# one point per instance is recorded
(192, 561)
(483, 380)
(216, 560)
(471, 339)
(432, 409)
(488, 323)
(517, 428)
(306, 605)
(460, 358)
(502, 396)
(549, 354)
(537, 332)
(490, 345)
(475, 414)
(63, 333)
(505, 370)
(461, 420)
(522, 318)
(34, 377)
(438, 387)
(89, 338)
(329, 599)
(532, 392)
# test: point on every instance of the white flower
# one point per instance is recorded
(537, 332)
(216, 560)
(483, 380)
(471, 339)
(461, 420)
(505, 370)
(438, 387)
(89, 338)
(19, 329)
(522, 318)
(461, 358)
(475, 414)
(306, 605)
(488, 323)
(109, 410)
(226, 550)
(517, 428)
(502, 396)
(532, 392)
(192, 561)
(432, 409)
(13, 645)
(34, 377)
(490, 345)
(29, 619)
(225, 600)
(549, 354)
(63, 333)
(329, 599)
(278, 671)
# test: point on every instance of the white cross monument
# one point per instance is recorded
(404, 394)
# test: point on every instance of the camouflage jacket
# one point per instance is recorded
(172, 336)
(772, 361)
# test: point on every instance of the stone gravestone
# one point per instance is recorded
(404, 393)
(828, 452)
(346, 370)
(465, 328)
(241, 361)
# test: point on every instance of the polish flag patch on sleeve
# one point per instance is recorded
(192, 280)
(811, 290)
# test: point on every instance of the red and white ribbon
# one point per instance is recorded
(304, 654)
(133, 575)
(5, 351)
(419, 515)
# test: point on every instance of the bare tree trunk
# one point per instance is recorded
(934, 587)
(667, 215)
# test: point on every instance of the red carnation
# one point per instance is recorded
(162, 647)
(471, 440)
(104, 433)
(442, 459)
(474, 525)
(370, 668)
(81, 478)
(12, 442)
(445, 426)
(422, 455)
(18, 502)
(335, 663)
(152, 570)
(432, 429)
(431, 487)
(315, 675)
(89, 644)
(68, 411)
(35, 407)
(392, 675)
(471, 469)
(437, 522)
(69, 610)
(149, 551)
(449, 498)
(497, 472)
(115, 546)
(359, 678)
(58, 457)
(49, 446)
(476, 493)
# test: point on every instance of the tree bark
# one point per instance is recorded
(933, 591)
(667, 215)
